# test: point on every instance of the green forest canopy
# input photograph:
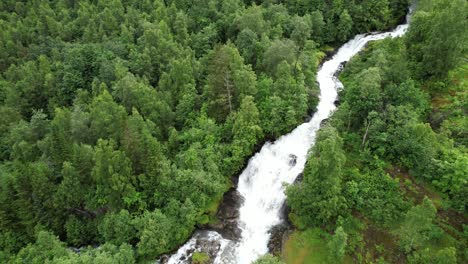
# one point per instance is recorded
(123, 121)
(388, 175)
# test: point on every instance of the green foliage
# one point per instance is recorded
(279, 51)
(344, 26)
(123, 121)
(113, 177)
(246, 131)
(400, 121)
(155, 234)
(46, 248)
(117, 228)
(437, 38)
(367, 191)
(337, 244)
(107, 253)
(268, 259)
(228, 80)
(317, 199)
(417, 226)
(452, 168)
(446, 255)
(200, 258)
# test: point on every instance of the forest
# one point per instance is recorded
(123, 123)
(386, 181)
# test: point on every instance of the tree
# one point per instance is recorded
(417, 225)
(30, 86)
(178, 81)
(415, 145)
(337, 244)
(279, 51)
(318, 25)
(122, 121)
(115, 183)
(365, 96)
(252, 19)
(57, 143)
(366, 190)
(155, 235)
(79, 230)
(46, 248)
(302, 28)
(246, 131)
(317, 198)
(106, 253)
(204, 40)
(292, 91)
(107, 117)
(272, 116)
(133, 92)
(452, 171)
(79, 69)
(247, 43)
(71, 190)
(228, 80)
(118, 228)
(344, 26)
(435, 37)
(377, 12)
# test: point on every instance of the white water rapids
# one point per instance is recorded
(262, 182)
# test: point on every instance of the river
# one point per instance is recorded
(262, 182)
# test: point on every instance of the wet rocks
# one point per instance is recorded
(279, 235)
(163, 259)
(324, 122)
(299, 178)
(227, 216)
(337, 102)
(209, 248)
(340, 68)
(292, 160)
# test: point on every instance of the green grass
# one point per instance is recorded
(306, 247)
(200, 258)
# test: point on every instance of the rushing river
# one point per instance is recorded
(262, 182)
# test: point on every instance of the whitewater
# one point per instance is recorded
(263, 181)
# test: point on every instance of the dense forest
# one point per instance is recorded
(123, 122)
(387, 179)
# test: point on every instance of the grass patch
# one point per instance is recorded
(200, 258)
(306, 247)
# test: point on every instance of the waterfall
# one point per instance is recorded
(262, 182)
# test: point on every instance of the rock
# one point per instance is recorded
(229, 208)
(299, 178)
(227, 216)
(340, 68)
(292, 160)
(209, 247)
(324, 122)
(337, 102)
(278, 237)
(163, 259)
(75, 250)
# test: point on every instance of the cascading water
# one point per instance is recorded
(262, 182)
